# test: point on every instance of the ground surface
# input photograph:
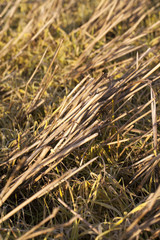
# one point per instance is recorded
(79, 119)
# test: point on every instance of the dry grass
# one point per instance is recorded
(79, 119)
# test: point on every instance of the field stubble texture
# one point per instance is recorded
(79, 119)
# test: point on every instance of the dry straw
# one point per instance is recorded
(79, 122)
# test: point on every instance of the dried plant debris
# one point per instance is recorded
(79, 119)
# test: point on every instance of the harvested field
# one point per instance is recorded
(80, 119)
